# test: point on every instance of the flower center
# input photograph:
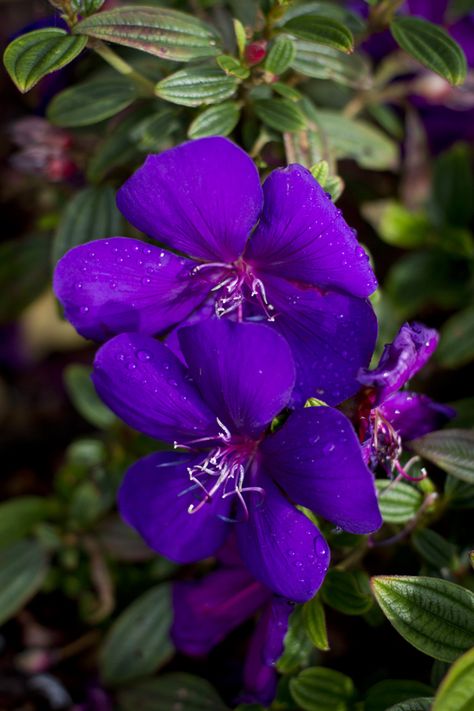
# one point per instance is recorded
(223, 470)
(236, 283)
(387, 448)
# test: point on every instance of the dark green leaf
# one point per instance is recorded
(91, 102)
(315, 623)
(86, 7)
(453, 187)
(152, 133)
(322, 8)
(459, 493)
(280, 114)
(347, 591)
(322, 30)
(90, 215)
(451, 450)
(431, 45)
(398, 502)
(281, 54)
(321, 689)
(422, 703)
(456, 692)
(197, 86)
(464, 409)
(218, 120)
(84, 397)
(435, 549)
(435, 616)
(118, 148)
(121, 542)
(31, 57)
(171, 691)
(23, 568)
(386, 693)
(166, 33)
(320, 62)
(20, 515)
(288, 92)
(232, 66)
(457, 340)
(297, 645)
(24, 273)
(138, 642)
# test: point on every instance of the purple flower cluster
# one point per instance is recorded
(260, 297)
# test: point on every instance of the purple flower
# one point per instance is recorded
(231, 473)
(388, 416)
(282, 254)
(206, 611)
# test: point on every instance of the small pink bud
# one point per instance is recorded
(255, 52)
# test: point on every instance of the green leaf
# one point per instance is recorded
(398, 502)
(457, 340)
(152, 133)
(90, 215)
(422, 703)
(322, 8)
(451, 450)
(280, 114)
(138, 641)
(166, 33)
(433, 615)
(459, 493)
(91, 102)
(121, 542)
(347, 591)
(386, 693)
(23, 568)
(31, 57)
(232, 66)
(435, 549)
(288, 92)
(321, 689)
(297, 645)
(240, 36)
(84, 397)
(320, 62)
(431, 45)
(456, 692)
(197, 86)
(118, 148)
(315, 623)
(453, 187)
(398, 226)
(281, 54)
(24, 273)
(20, 515)
(322, 30)
(171, 691)
(86, 7)
(218, 120)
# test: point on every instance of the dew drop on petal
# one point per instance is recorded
(328, 448)
(143, 356)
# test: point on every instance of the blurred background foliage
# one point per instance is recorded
(381, 108)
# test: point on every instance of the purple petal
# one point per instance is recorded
(266, 646)
(400, 360)
(244, 372)
(316, 458)
(331, 336)
(303, 237)
(154, 499)
(202, 198)
(282, 548)
(413, 415)
(118, 285)
(148, 388)
(207, 610)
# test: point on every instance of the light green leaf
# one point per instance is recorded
(451, 450)
(321, 62)
(24, 273)
(171, 691)
(398, 226)
(218, 120)
(297, 645)
(197, 86)
(90, 215)
(315, 623)
(232, 66)
(281, 54)
(23, 568)
(322, 30)
(280, 114)
(166, 33)
(435, 616)
(389, 692)
(431, 45)
(288, 92)
(138, 642)
(456, 692)
(347, 591)
(91, 102)
(84, 397)
(321, 689)
(20, 515)
(31, 57)
(456, 347)
(398, 502)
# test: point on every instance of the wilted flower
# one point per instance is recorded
(388, 414)
(231, 472)
(284, 255)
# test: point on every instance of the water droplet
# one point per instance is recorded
(146, 250)
(320, 547)
(328, 448)
(79, 285)
(360, 252)
(146, 281)
(131, 366)
(113, 285)
(143, 355)
(84, 309)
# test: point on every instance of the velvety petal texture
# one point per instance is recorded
(303, 237)
(414, 415)
(148, 388)
(281, 547)
(154, 499)
(400, 360)
(331, 336)
(316, 458)
(201, 198)
(118, 285)
(244, 372)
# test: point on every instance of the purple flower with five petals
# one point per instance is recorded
(207, 610)
(386, 416)
(282, 254)
(231, 472)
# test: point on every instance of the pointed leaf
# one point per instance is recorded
(451, 450)
(456, 692)
(232, 66)
(31, 57)
(297, 645)
(179, 691)
(321, 689)
(218, 120)
(398, 502)
(280, 114)
(23, 568)
(91, 102)
(347, 591)
(322, 62)
(323, 30)
(315, 623)
(281, 54)
(197, 86)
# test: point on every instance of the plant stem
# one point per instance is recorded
(147, 87)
